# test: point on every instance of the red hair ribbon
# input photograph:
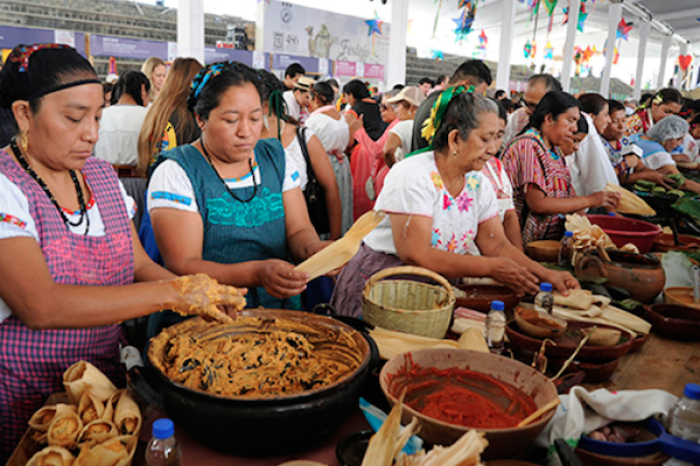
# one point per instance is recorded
(25, 52)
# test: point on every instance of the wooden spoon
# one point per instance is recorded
(552, 404)
(340, 252)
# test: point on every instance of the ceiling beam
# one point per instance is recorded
(692, 12)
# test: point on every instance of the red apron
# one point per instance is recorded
(32, 362)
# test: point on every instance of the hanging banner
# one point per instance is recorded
(308, 32)
(122, 47)
(345, 68)
(281, 61)
(373, 70)
(11, 36)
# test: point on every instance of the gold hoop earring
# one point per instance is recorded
(24, 142)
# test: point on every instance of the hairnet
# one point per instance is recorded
(671, 127)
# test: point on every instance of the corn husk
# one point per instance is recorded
(464, 452)
(460, 325)
(630, 203)
(389, 439)
(391, 343)
(41, 420)
(473, 339)
(111, 404)
(577, 299)
(52, 456)
(98, 431)
(609, 315)
(127, 415)
(64, 430)
(90, 408)
(83, 376)
(117, 451)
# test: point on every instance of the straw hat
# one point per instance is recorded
(411, 94)
(304, 83)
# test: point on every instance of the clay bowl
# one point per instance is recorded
(539, 325)
(504, 442)
(663, 242)
(567, 343)
(674, 322)
(479, 297)
(594, 372)
(594, 459)
(509, 463)
(680, 296)
(640, 274)
(543, 251)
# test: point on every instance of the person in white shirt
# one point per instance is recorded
(439, 204)
(537, 87)
(120, 124)
(398, 144)
(297, 99)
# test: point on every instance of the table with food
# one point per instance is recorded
(446, 341)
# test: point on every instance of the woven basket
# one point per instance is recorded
(409, 306)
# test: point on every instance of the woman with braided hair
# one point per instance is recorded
(69, 255)
(664, 103)
(278, 124)
(440, 204)
(228, 205)
(121, 123)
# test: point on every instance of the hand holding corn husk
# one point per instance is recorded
(629, 203)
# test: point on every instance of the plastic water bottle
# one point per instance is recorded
(163, 449)
(496, 327)
(544, 301)
(567, 245)
(684, 419)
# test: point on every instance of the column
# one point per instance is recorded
(665, 46)
(696, 69)
(641, 55)
(506, 45)
(614, 16)
(574, 7)
(682, 50)
(396, 70)
(190, 29)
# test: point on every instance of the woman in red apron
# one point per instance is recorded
(66, 240)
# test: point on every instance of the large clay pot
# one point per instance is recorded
(641, 275)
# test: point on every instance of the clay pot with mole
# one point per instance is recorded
(640, 274)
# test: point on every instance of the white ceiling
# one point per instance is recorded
(681, 15)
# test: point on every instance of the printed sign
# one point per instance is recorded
(345, 68)
(122, 47)
(302, 31)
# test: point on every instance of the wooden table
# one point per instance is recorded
(661, 363)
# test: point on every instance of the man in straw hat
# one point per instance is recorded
(297, 99)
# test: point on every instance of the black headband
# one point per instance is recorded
(61, 87)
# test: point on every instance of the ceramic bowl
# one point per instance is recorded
(479, 297)
(674, 322)
(503, 442)
(680, 296)
(543, 250)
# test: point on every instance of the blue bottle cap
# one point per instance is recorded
(163, 428)
(546, 287)
(611, 214)
(692, 391)
(497, 306)
(569, 234)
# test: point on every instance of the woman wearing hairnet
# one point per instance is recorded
(660, 142)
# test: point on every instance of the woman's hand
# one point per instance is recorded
(605, 199)
(202, 295)
(561, 281)
(514, 276)
(280, 279)
(655, 177)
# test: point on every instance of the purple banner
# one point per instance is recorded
(373, 70)
(281, 61)
(345, 68)
(214, 54)
(11, 36)
(122, 47)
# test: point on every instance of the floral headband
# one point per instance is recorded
(22, 55)
(24, 52)
(431, 125)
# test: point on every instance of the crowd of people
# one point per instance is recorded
(248, 175)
